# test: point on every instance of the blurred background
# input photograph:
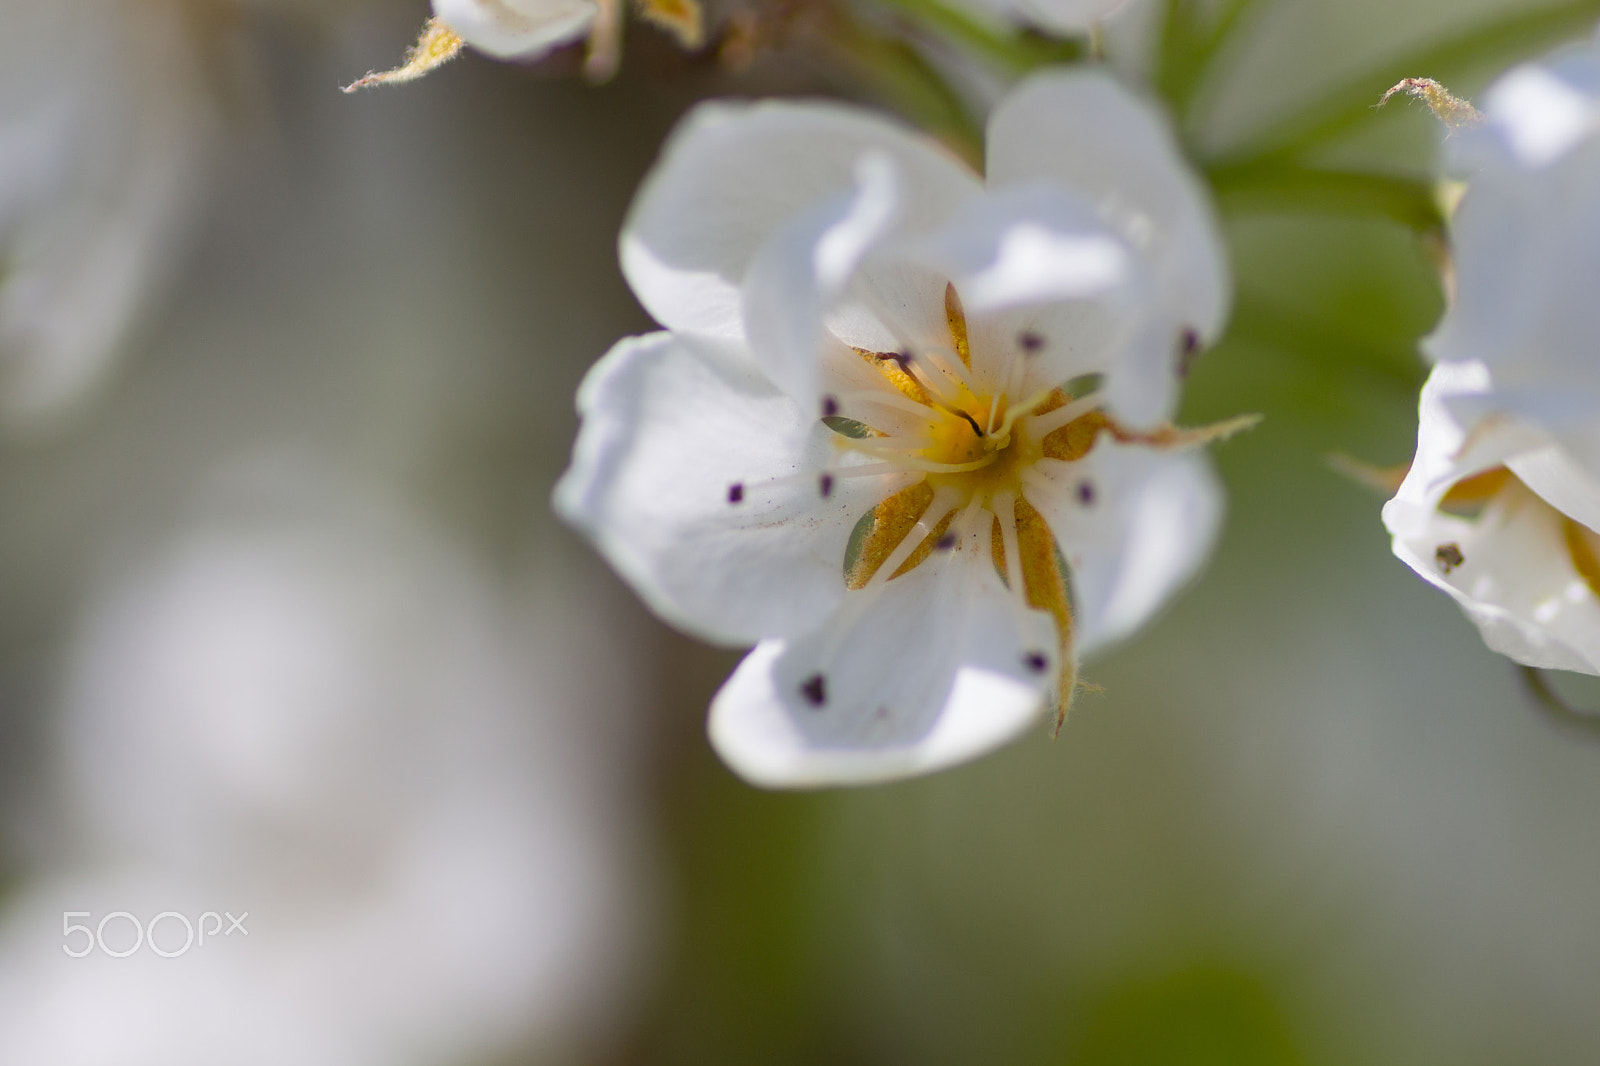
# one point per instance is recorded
(287, 628)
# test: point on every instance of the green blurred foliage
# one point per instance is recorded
(1202, 1016)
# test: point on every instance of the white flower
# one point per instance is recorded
(1502, 503)
(858, 424)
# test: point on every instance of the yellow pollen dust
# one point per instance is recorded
(974, 449)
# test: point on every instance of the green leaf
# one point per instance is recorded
(1412, 202)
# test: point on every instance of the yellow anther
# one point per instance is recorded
(956, 318)
(890, 366)
(892, 521)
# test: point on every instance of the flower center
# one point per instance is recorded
(980, 447)
(973, 440)
(959, 440)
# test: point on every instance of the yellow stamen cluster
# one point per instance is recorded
(975, 450)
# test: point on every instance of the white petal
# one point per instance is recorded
(893, 305)
(1030, 244)
(1527, 235)
(1139, 532)
(1143, 387)
(1446, 452)
(1516, 581)
(671, 422)
(1492, 310)
(732, 174)
(1527, 250)
(929, 671)
(517, 29)
(1083, 131)
(1459, 395)
(1539, 115)
(1036, 259)
(803, 270)
(1563, 484)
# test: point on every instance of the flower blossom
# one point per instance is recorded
(1502, 503)
(906, 431)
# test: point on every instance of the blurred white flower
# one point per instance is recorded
(1502, 504)
(103, 124)
(317, 713)
(110, 112)
(857, 445)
